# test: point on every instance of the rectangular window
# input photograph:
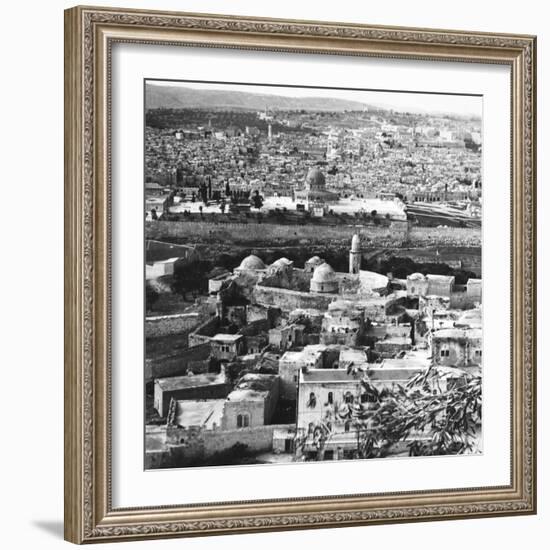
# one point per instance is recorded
(445, 353)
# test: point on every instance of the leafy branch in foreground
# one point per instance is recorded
(436, 412)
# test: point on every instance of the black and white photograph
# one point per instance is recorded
(313, 274)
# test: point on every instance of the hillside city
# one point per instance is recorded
(309, 274)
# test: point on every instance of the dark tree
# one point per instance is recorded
(257, 200)
(151, 296)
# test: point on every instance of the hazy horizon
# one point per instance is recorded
(401, 101)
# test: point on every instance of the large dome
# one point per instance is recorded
(315, 179)
(252, 262)
(323, 274)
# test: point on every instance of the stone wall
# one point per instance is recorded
(242, 233)
(193, 446)
(202, 334)
(397, 234)
(176, 364)
(257, 439)
(165, 325)
(289, 300)
(444, 236)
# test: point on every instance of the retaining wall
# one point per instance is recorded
(165, 325)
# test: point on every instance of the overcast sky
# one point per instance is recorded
(400, 101)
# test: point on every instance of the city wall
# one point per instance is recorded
(444, 236)
(397, 234)
(165, 325)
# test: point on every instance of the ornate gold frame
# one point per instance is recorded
(89, 34)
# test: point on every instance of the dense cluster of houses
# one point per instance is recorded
(287, 347)
(419, 158)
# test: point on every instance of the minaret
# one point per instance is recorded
(355, 255)
(219, 307)
(269, 134)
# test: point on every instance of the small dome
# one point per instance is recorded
(315, 179)
(355, 243)
(315, 260)
(281, 262)
(416, 277)
(252, 262)
(323, 274)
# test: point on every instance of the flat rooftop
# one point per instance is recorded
(204, 413)
(231, 338)
(389, 369)
(253, 387)
(469, 333)
(357, 355)
(189, 381)
(330, 375)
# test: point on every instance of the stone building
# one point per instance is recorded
(252, 403)
(473, 289)
(255, 344)
(457, 347)
(189, 387)
(424, 285)
(325, 397)
(343, 323)
(314, 196)
(226, 347)
(290, 364)
(217, 279)
(286, 336)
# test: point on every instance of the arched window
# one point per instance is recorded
(330, 398)
(243, 420)
(312, 401)
(348, 397)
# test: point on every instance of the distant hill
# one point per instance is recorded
(177, 97)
